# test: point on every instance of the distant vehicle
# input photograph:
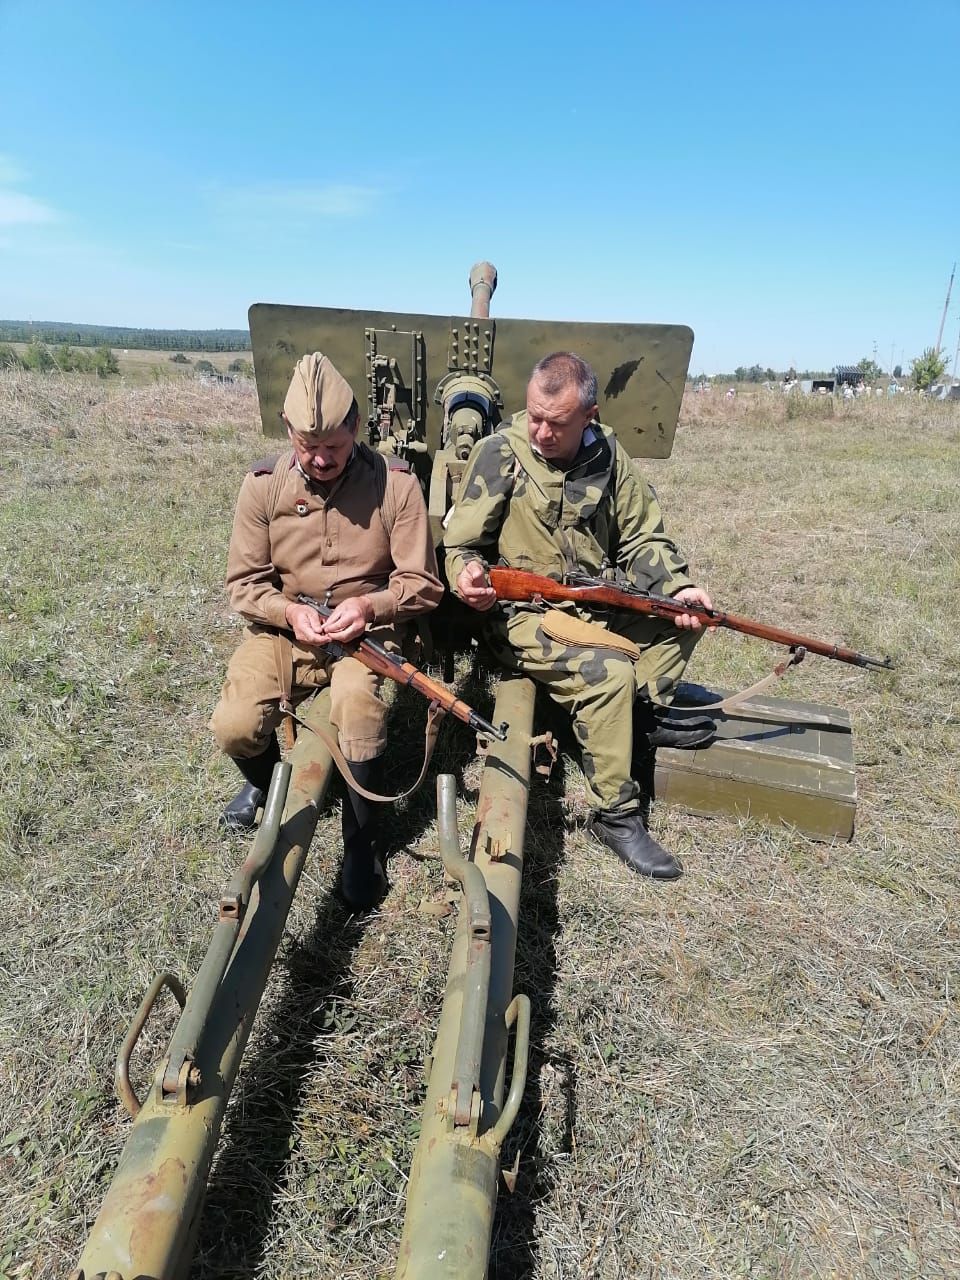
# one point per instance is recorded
(944, 391)
(848, 375)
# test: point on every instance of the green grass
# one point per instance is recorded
(750, 1072)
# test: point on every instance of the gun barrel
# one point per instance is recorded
(522, 585)
(483, 283)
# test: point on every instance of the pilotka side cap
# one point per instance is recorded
(318, 398)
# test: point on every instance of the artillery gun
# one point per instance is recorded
(432, 386)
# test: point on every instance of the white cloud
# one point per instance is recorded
(10, 173)
(330, 200)
(17, 209)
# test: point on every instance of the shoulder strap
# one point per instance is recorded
(384, 464)
(278, 477)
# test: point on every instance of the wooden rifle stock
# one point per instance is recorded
(519, 585)
(379, 659)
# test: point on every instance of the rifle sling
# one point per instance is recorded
(737, 699)
(283, 654)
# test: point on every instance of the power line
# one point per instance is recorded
(945, 305)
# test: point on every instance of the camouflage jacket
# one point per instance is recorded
(516, 507)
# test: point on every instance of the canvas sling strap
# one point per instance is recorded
(795, 657)
(283, 655)
(572, 630)
(569, 629)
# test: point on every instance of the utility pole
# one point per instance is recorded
(945, 305)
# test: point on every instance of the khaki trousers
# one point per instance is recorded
(598, 687)
(248, 712)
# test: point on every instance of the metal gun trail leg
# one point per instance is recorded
(452, 1192)
(147, 1225)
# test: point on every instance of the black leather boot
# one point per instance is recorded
(655, 724)
(629, 839)
(362, 878)
(241, 813)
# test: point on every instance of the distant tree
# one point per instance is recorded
(870, 371)
(179, 358)
(242, 367)
(898, 371)
(204, 366)
(9, 359)
(38, 357)
(926, 369)
(105, 361)
(791, 374)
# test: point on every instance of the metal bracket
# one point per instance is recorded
(549, 744)
(396, 388)
(124, 1088)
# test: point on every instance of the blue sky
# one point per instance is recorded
(784, 178)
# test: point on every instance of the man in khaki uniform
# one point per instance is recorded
(552, 492)
(333, 519)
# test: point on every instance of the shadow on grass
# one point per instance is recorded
(257, 1134)
(456, 749)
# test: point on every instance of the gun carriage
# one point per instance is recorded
(430, 387)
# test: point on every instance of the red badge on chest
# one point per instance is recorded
(302, 508)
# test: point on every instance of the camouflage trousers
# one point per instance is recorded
(248, 712)
(598, 687)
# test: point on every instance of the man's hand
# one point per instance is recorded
(473, 587)
(348, 620)
(691, 595)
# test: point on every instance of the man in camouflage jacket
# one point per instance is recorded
(551, 492)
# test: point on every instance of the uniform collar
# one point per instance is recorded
(315, 486)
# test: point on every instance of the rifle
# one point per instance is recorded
(379, 659)
(581, 588)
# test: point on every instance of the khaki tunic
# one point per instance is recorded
(515, 507)
(366, 534)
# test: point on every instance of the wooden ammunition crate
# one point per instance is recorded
(772, 759)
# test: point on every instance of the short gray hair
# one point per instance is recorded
(560, 369)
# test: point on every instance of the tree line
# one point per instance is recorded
(38, 357)
(94, 335)
(925, 370)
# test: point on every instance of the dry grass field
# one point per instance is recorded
(753, 1071)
